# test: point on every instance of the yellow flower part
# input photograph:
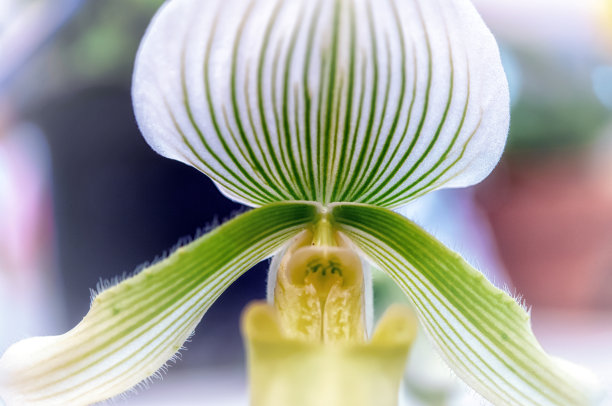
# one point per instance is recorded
(319, 290)
(309, 347)
(288, 371)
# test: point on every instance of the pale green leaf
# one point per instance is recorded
(372, 101)
(135, 327)
(481, 332)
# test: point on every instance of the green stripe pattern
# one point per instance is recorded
(481, 332)
(370, 101)
(133, 328)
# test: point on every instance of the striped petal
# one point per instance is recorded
(482, 333)
(134, 328)
(373, 101)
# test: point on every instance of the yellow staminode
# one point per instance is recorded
(319, 290)
(309, 348)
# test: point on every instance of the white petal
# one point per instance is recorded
(134, 328)
(375, 101)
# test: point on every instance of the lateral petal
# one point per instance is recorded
(135, 327)
(480, 331)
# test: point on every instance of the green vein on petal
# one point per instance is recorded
(234, 102)
(366, 147)
(213, 83)
(339, 177)
(481, 332)
(266, 112)
(135, 327)
(384, 155)
(299, 172)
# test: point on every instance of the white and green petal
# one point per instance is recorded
(481, 332)
(371, 101)
(135, 327)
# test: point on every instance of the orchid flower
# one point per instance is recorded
(323, 115)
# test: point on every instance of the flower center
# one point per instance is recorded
(319, 292)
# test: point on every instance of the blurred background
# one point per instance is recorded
(83, 198)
